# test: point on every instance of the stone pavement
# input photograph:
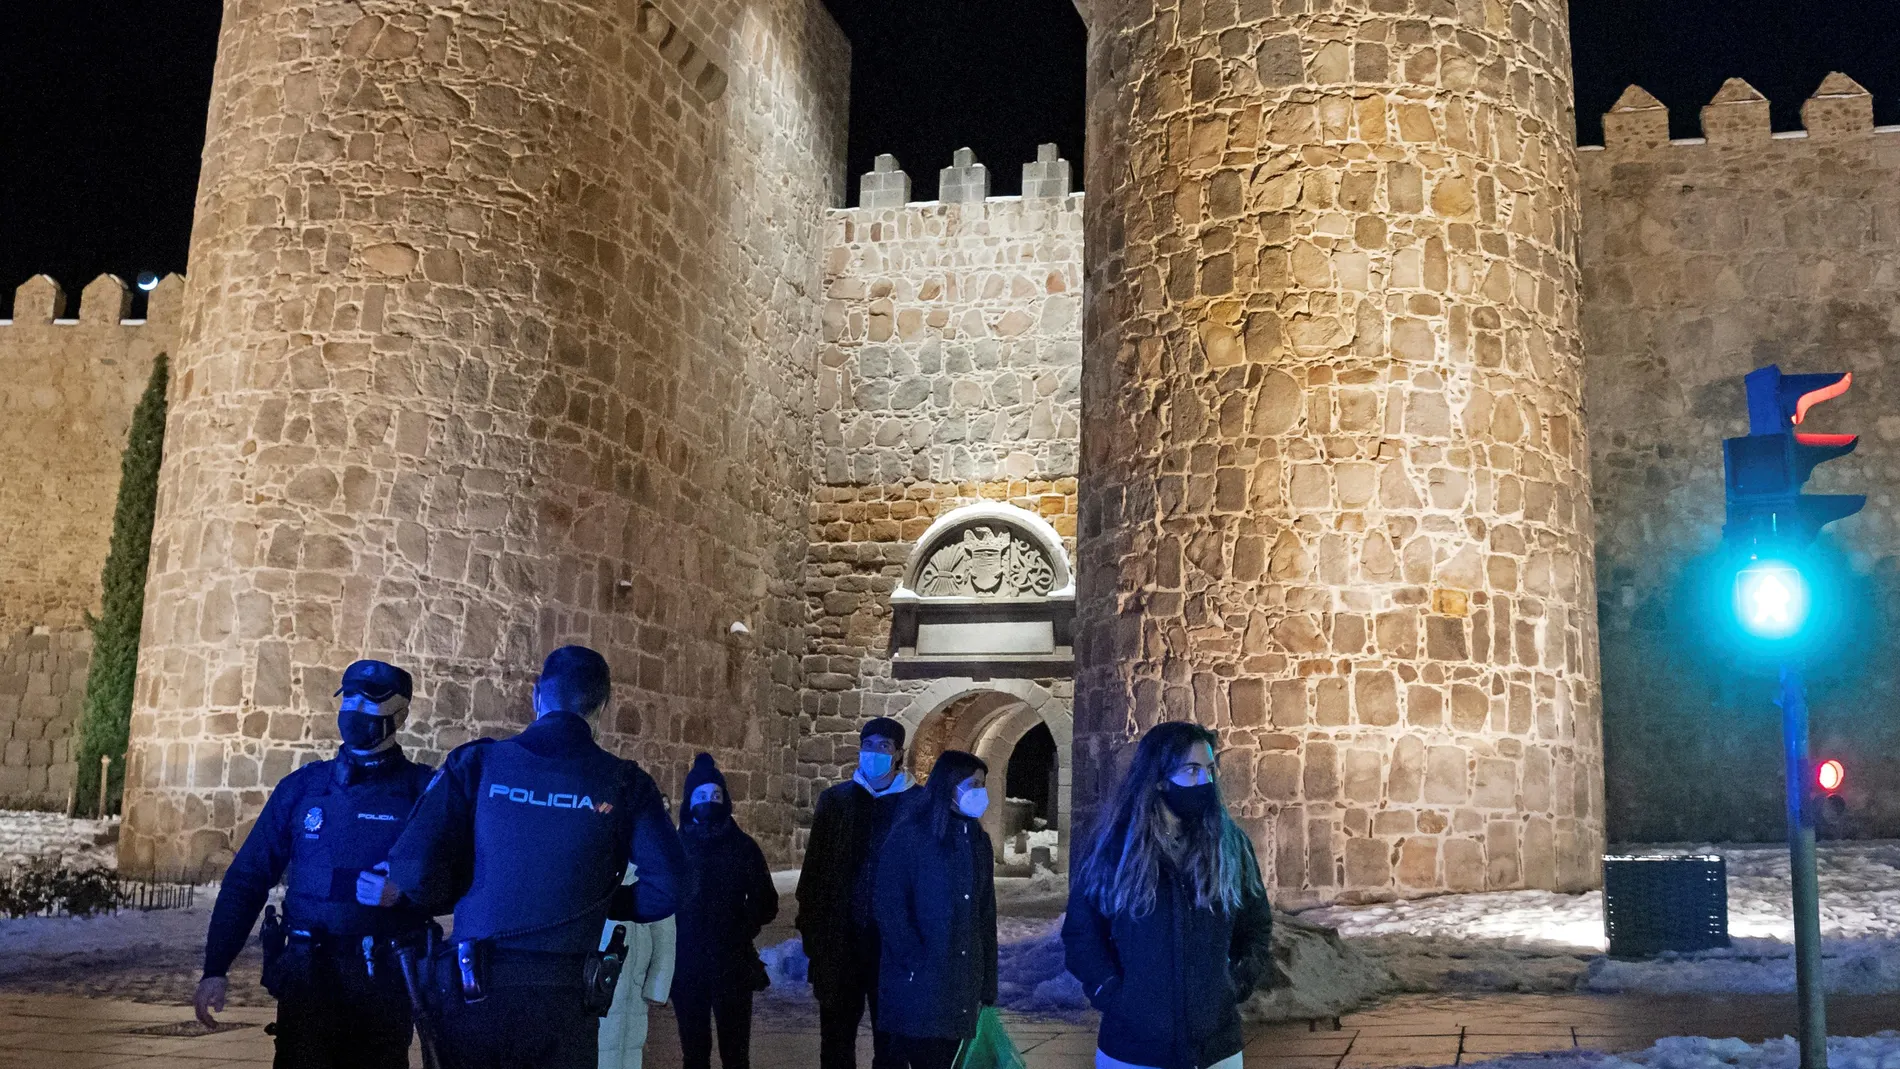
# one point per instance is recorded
(64, 1032)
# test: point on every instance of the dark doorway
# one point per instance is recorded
(1032, 773)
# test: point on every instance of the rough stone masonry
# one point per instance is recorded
(517, 324)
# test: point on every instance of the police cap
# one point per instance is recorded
(376, 680)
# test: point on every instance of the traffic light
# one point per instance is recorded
(1829, 775)
(1766, 468)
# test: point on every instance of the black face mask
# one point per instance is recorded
(362, 731)
(1191, 803)
(710, 813)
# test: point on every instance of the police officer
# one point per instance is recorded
(528, 839)
(340, 996)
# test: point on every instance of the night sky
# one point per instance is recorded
(102, 102)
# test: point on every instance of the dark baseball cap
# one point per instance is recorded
(376, 680)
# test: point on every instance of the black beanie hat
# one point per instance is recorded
(704, 771)
(883, 727)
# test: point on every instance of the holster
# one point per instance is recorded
(282, 966)
(600, 974)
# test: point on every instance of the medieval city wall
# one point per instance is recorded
(67, 390)
(498, 335)
(1704, 259)
(948, 375)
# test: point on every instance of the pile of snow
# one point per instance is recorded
(28, 836)
(1013, 856)
(1879, 1051)
(1540, 941)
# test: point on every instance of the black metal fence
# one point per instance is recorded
(45, 889)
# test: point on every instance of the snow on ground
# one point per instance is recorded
(26, 836)
(1539, 941)
(1879, 1051)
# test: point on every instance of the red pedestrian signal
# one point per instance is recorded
(1829, 775)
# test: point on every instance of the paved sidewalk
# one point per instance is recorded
(67, 1032)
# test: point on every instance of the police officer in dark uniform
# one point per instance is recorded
(527, 839)
(340, 996)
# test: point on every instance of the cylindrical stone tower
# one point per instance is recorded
(1335, 499)
(489, 345)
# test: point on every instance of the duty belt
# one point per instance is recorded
(529, 968)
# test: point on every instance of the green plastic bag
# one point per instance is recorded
(991, 1048)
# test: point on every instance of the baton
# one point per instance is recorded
(418, 1008)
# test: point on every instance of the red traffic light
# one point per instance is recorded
(1829, 775)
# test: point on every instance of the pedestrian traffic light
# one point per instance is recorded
(1771, 599)
(1766, 468)
(1829, 775)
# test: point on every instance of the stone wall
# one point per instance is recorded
(1335, 487)
(1703, 260)
(948, 375)
(67, 391)
(499, 335)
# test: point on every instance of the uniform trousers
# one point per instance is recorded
(333, 1014)
(524, 1027)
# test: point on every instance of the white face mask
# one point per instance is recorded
(974, 802)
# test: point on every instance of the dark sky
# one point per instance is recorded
(102, 101)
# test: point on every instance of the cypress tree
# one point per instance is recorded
(106, 724)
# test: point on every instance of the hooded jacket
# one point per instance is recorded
(735, 899)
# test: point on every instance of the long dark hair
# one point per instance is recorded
(937, 809)
(1123, 867)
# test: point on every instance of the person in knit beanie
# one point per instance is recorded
(717, 969)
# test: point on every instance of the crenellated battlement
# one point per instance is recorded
(1047, 179)
(1841, 109)
(40, 302)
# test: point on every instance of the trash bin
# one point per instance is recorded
(1654, 903)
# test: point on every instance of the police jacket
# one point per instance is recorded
(324, 824)
(1170, 982)
(936, 924)
(527, 838)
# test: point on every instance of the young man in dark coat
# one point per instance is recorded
(717, 968)
(836, 892)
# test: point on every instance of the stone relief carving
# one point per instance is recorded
(989, 561)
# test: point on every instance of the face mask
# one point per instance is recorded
(874, 765)
(1191, 803)
(973, 802)
(710, 812)
(363, 731)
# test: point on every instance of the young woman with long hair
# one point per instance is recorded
(936, 917)
(1168, 926)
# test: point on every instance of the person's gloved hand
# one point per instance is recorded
(209, 997)
(374, 889)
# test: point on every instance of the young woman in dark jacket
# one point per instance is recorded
(936, 916)
(1168, 926)
(716, 969)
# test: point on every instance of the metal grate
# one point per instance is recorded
(1653, 904)
(186, 1029)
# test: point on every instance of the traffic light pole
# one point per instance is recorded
(1801, 870)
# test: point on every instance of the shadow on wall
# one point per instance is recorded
(1691, 734)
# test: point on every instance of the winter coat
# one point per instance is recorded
(936, 922)
(735, 898)
(836, 886)
(646, 977)
(1170, 983)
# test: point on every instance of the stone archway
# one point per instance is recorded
(988, 718)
